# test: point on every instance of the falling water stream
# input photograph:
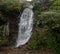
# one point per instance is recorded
(25, 27)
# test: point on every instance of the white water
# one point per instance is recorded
(29, 0)
(25, 27)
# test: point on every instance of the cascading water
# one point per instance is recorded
(25, 27)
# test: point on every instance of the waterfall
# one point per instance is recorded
(25, 27)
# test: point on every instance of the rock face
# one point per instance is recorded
(46, 26)
(2, 22)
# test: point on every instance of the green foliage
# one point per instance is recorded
(10, 5)
(44, 38)
(47, 25)
(3, 36)
(8, 9)
(55, 6)
(47, 28)
(56, 2)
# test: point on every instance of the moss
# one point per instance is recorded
(3, 42)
